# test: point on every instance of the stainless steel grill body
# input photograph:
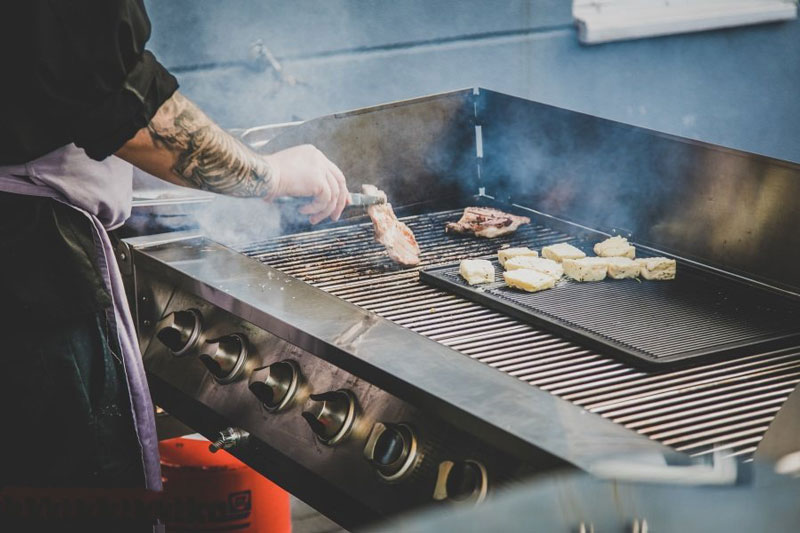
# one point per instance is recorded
(462, 411)
(481, 388)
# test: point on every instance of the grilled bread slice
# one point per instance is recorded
(505, 254)
(657, 268)
(586, 268)
(529, 280)
(561, 251)
(476, 271)
(615, 247)
(622, 267)
(539, 264)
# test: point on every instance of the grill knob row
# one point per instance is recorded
(392, 449)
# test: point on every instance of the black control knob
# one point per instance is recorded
(180, 330)
(331, 415)
(461, 481)
(225, 357)
(392, 448)
(276, 385)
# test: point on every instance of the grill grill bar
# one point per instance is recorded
(724, 405)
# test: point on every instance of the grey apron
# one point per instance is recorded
(101, 190)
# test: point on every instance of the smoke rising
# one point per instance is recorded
(236, 221)
(227, 220)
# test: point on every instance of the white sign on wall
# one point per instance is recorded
(602, 21)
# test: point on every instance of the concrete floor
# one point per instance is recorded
(306, 519)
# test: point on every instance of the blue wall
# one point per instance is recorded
(733, 87)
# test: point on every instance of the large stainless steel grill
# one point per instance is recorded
(724, 406)
(335, 360)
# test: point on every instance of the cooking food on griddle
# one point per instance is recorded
(622, 267)
(657, 268)
(539, 264)
(528, 280)
(586, 268)
(476, 271)
(400, 243)
(486, 222)
(504, 254)
(561, 251)
(615, 247)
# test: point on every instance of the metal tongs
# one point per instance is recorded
(358, 199)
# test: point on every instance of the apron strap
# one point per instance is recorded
(121, 321)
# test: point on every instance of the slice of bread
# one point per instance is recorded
(622, 267)
(615, 247)
(561, 251)
(586, 269)
(539, 264)
(476, 271)
(529, 280)
(657, 268)
(505, 254)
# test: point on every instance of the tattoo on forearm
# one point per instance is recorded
(207, 157)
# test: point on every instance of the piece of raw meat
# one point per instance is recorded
(398, 239)
(486, 222)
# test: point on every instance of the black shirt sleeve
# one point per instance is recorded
(117, 116)
(79, 73)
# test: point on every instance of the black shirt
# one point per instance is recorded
(76, 71)
(73, 71)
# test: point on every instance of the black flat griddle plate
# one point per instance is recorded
(697, 315)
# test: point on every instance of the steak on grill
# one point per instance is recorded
(486, 222)
(398, 239)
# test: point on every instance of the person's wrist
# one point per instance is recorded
(274, 188)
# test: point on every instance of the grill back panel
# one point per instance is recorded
(721, 207)
(724, 405)
(414, 150)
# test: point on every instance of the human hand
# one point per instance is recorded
(305, 171)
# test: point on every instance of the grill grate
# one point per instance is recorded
(723, 404)
(695, 315)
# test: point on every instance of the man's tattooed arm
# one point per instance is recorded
(185, 147)
(183, 143)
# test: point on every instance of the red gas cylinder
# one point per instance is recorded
(217, 492)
